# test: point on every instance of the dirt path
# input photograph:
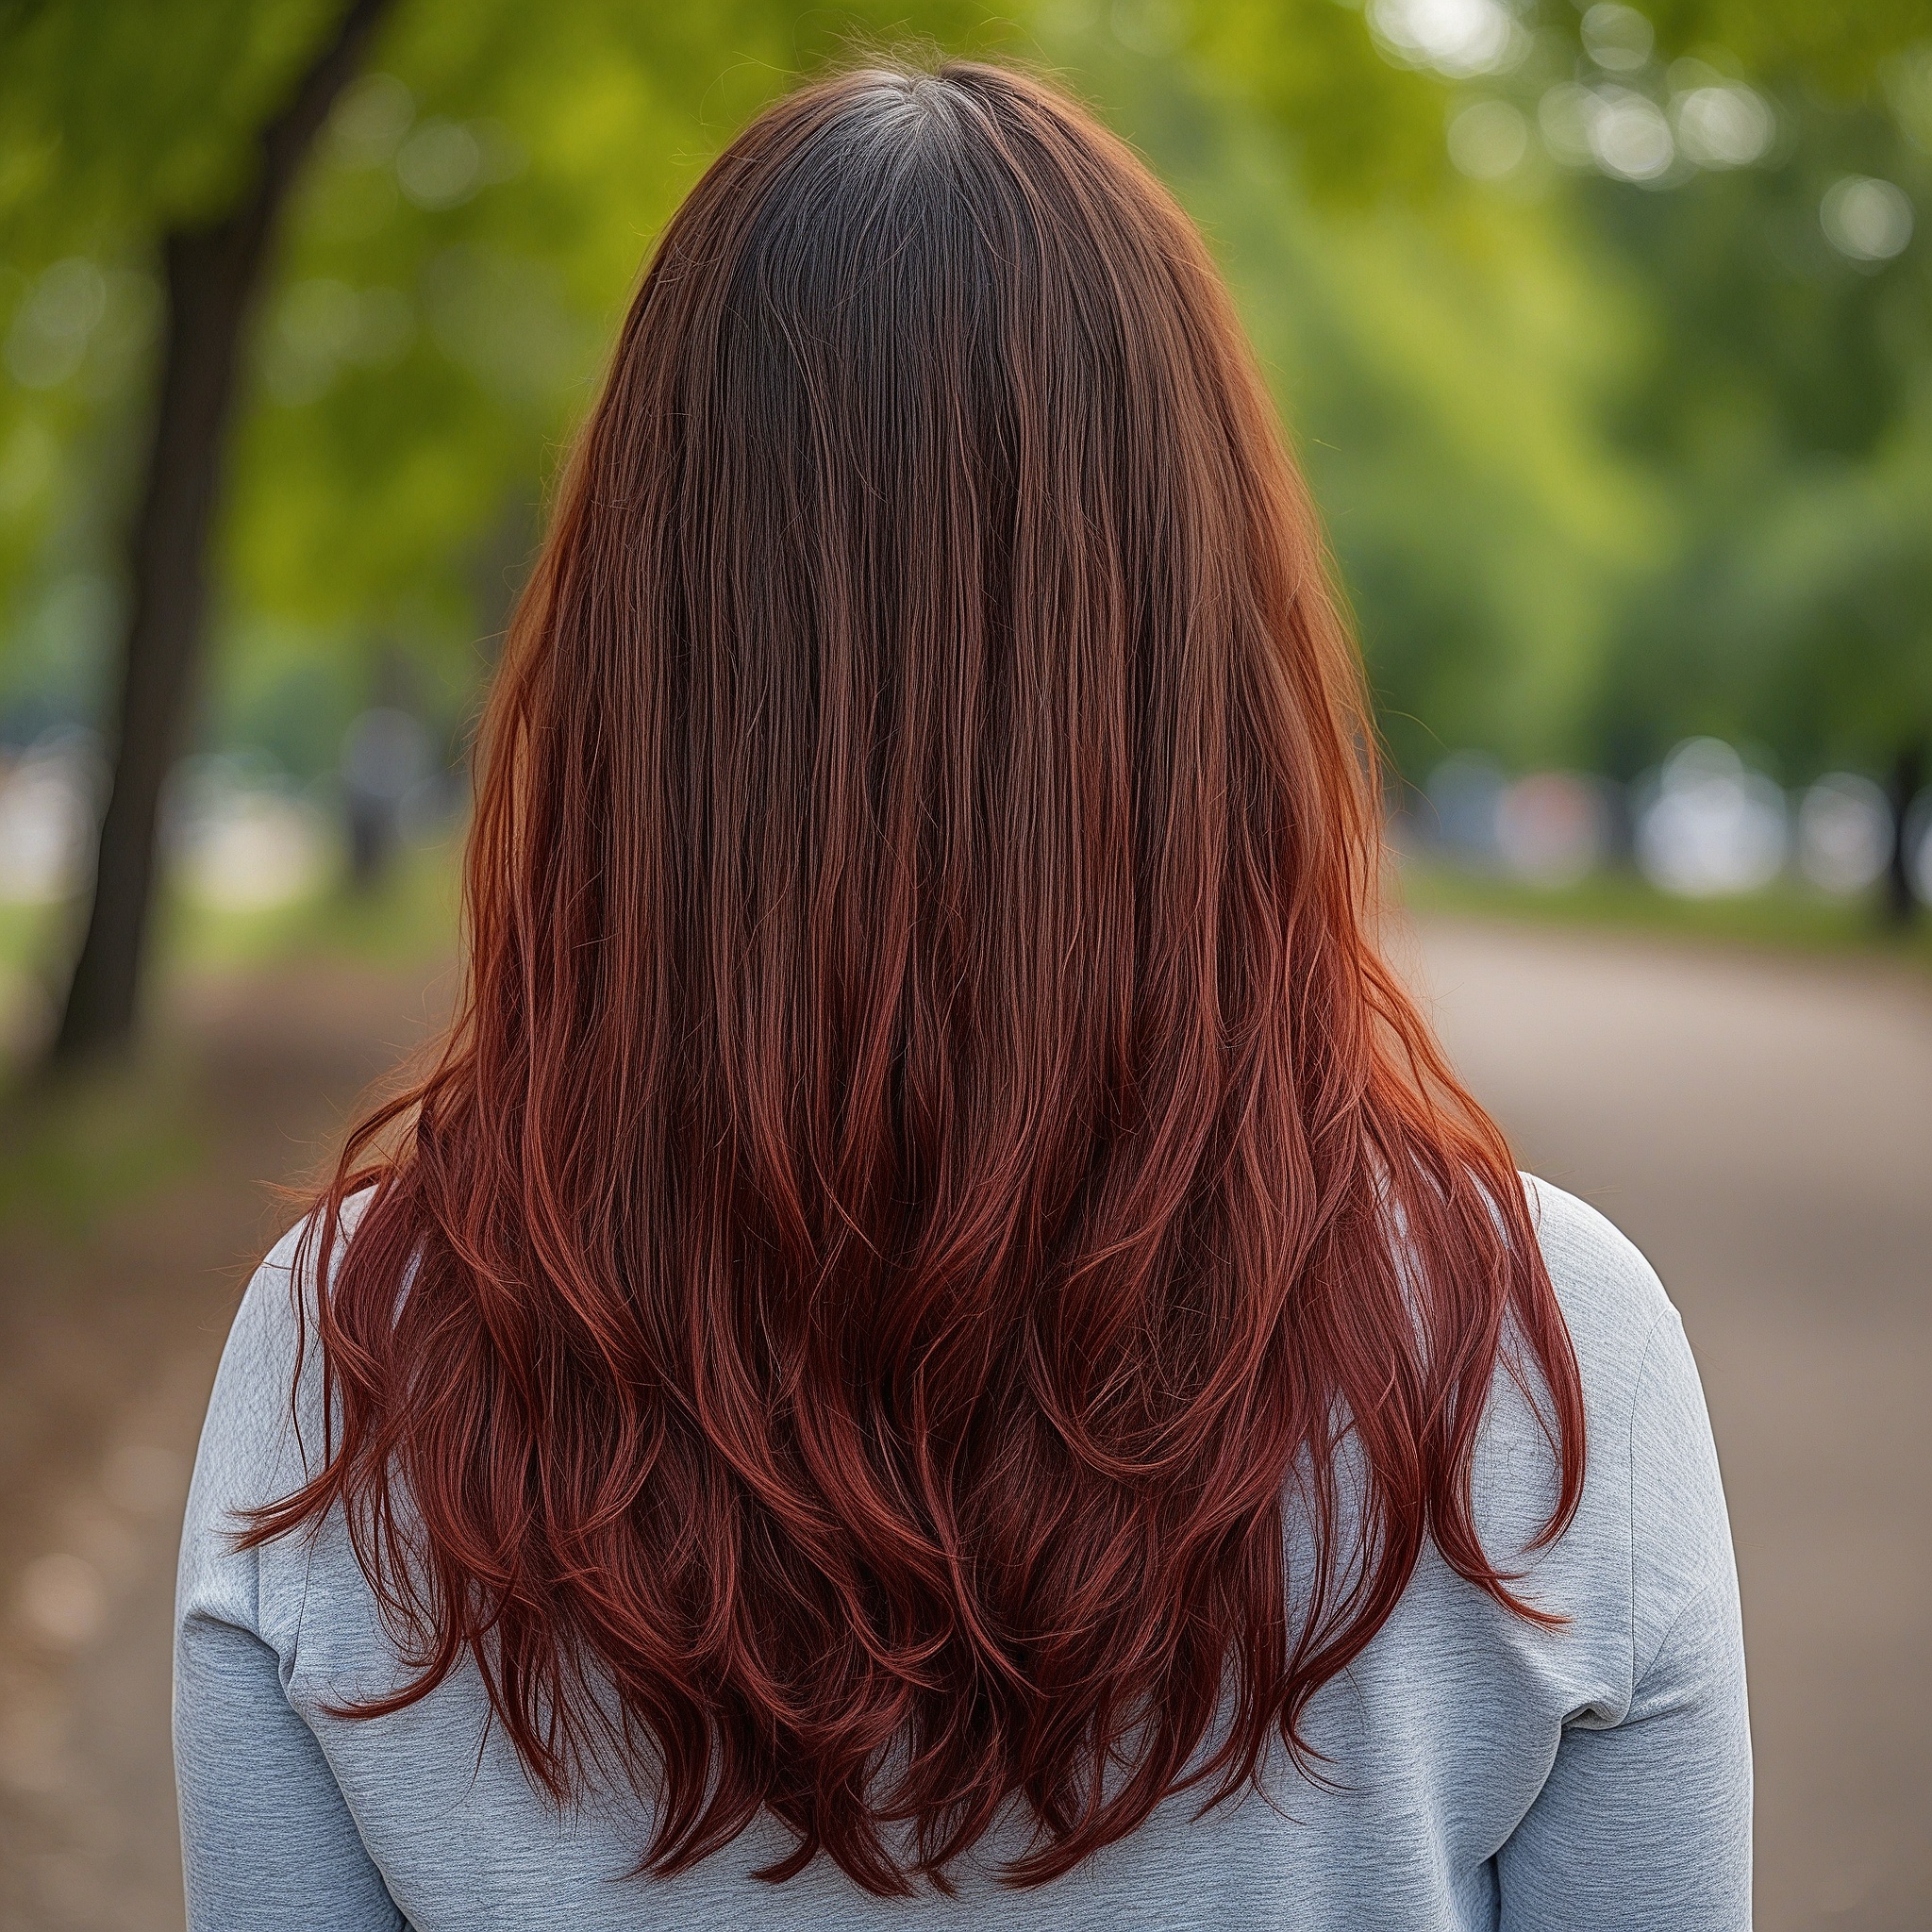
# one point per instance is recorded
(137, 1212)
(1763, 1129)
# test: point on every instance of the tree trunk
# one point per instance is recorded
(1907, 779)
(211, 275)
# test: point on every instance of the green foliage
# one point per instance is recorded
(1356, 127)
(1610, 462)
(460, 248)
(1841, 49)
(1786, 400)
(1442, 372)
(1786, 917)
(1604, 461)
(465, 247)
(70, 1158)
(130, 118)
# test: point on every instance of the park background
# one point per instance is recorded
(1603, 335)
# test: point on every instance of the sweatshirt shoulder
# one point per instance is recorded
(269, 1385)
(1611, 1296)
(280, 1299)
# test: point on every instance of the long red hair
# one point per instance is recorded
(930, 1167)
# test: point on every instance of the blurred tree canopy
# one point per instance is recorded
(1602, 331)
(1662, 358)
(1517, 403)
(455, 255)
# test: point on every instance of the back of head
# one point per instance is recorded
(917, 1171)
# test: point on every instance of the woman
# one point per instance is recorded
(940, 1345)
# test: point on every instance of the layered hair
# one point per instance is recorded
(938, 1281)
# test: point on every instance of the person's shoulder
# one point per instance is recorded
(1653, 1463)
(1601, 1276)
(269, 1374)
(1612, 1301)
(281, 1293)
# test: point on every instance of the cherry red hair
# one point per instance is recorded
(930, 1167)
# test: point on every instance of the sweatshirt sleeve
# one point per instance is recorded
(267, 1840)
(1644, 1822)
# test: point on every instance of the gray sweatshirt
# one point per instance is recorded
(1482, 1771)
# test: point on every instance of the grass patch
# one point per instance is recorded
(1787, 916)
(408, 918)
(76, 1152)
